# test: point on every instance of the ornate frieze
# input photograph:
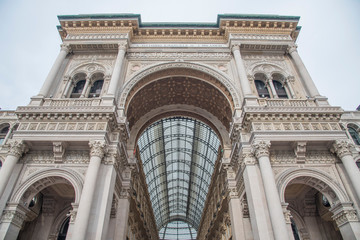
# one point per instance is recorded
(77, 157)
(16, 147)
(62, 126)
(179, 55)
(42, 157)
(261, 37)
(97, 148)
(282, 157)
(342, 147)
(261, 148)
(96, 36)
(322, 157)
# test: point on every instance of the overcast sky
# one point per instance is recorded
(329, 42)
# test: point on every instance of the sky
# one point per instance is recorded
(329, 42)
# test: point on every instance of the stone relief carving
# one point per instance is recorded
(293, 126)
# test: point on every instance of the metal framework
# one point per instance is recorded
(178, 156)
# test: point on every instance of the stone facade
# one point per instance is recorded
(71, 166)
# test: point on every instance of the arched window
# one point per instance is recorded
(3, 133)
(280, 90)
(354, 135)
(262, 89)
(78, 88)
(96, 89)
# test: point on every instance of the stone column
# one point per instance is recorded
(261, 151)
(69, 83)
(97, 151)
(50, 79)
(17, 147)
(123, 208)
(288, 84)
(342, 149)
(272, 88)
(12, 221)
(346, 220)
(122, 214)
(259, 216)
(115, 77)
(11, 129)
(245, 85)
(304, 74)
(85, 89)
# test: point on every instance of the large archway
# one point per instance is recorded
(179, 117)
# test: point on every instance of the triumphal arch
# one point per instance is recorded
(179, 131)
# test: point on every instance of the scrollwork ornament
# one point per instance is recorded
(97, 148)
(261, 148)
(342, 147)
(16, 147)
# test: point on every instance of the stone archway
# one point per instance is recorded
(36, 203)
(321, 203)
(179, 89)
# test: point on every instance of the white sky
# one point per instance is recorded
(329, 42)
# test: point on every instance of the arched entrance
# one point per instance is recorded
(42, 204)
(316, 204)
(179, 118)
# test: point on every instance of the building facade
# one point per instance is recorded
(179, 131)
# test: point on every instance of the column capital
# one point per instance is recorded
(15, 214)
(235, 47)
(342, 147)
(344, 213)
(122, 46)
(291, 48)
(16, 147)
(97, 148)
(65, 47)
(261, 148)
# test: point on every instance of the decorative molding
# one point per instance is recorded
(261, 37)
(77, 157)
(97, 148)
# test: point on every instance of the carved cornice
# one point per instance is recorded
(16, 147)
(342, 147)
(261, 148)
(97, 148)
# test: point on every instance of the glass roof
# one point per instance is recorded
(178, 156)
(177, 230)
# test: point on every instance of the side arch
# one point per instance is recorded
(72, 177)
(314, 178)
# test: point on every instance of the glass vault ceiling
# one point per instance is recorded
(178, 156)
